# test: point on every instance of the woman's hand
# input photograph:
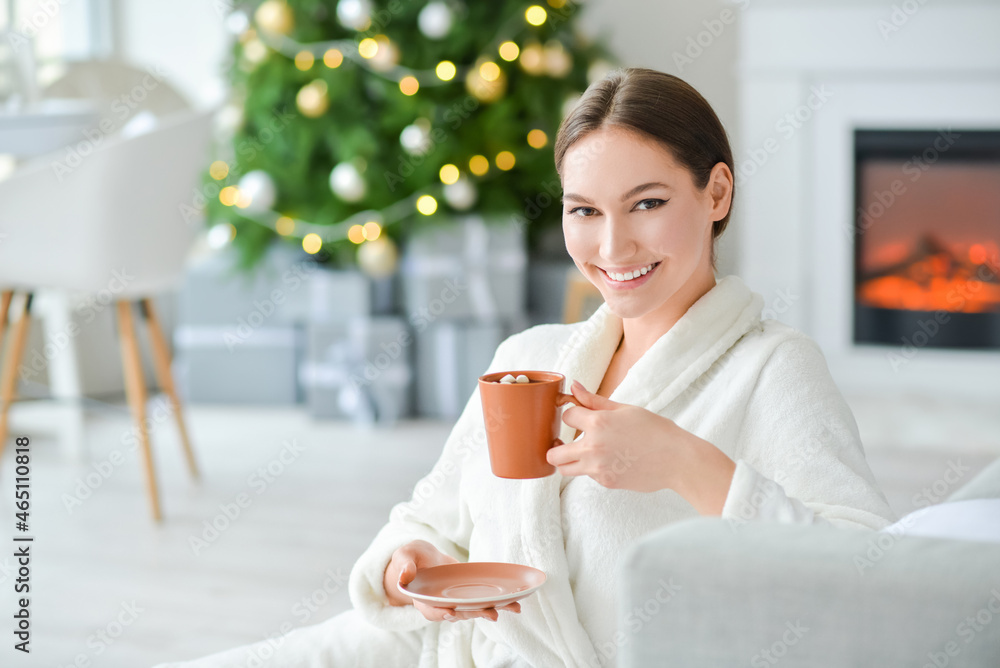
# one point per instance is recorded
(628, 447)
(403, 566)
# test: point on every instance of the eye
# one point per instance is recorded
(582, 208)
(651, 204)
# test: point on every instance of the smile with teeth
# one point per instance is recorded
(630, 275)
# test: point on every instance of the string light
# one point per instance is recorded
(537, 138)
(409, 85)
(284, 226)
(489, 71)
(505, 160)
(229, 195)
(479, 165)
(371, 230)
(445, 70)
(508, 51)
(304, 60)
(426, 205)
(535, 15)
(333, 58)
(449, 174)
(367, 48)
(311, 243)
(218, 170)
(356, 234)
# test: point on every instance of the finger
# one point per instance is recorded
(408, 572)
(578, 417)
(572, 469)
(563, 454)
(590, 399)
(513, 607)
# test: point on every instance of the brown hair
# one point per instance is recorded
(659, 106)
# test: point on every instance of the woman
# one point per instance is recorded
(690, 404)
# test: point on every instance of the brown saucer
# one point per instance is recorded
(473, 585)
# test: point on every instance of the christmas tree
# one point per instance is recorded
(353, 121)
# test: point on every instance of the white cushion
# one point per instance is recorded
(977, 520)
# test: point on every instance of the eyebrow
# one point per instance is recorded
(631, 193)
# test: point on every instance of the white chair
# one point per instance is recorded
(114, 222)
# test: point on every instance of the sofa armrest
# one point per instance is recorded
(708, 592)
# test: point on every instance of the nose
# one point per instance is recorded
(617, 243)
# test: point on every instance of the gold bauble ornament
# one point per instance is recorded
(312, 99)
(378, 258)
(483, 89)
(275, 16)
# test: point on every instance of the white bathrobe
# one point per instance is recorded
(758, 390)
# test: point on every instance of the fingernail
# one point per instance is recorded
(449, 617)
(577, 384)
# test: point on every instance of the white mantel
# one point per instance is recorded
(939, 68)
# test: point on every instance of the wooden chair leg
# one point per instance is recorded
(135, 389)
(5, 299)
(161, 361)
(8, 378)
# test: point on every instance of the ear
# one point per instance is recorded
(720, 187)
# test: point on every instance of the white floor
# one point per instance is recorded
(112, 588)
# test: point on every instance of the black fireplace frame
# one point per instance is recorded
(897, 327)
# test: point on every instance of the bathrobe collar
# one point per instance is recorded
(703, 334)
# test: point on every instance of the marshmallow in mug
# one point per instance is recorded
(508, 379)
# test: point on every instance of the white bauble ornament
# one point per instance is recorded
(435, 20)
(354, 14)
(229, 119)
(416, 138)
(378, 258)
(237, 22)
(259, 187)
(461, 194)
(347, 183)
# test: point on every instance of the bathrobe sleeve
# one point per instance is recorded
(800, 458)
(436, 512)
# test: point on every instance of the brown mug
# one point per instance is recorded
(522, 421)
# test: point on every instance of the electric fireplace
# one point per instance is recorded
(927, 238)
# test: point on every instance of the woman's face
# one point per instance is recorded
(634, 222)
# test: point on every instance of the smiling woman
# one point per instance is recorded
(689, 403)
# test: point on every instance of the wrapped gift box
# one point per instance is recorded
(286, 287)
(359, 369)
(450, 357)
(469, 269)
(214, 364)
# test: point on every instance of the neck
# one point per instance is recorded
(639, 334)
